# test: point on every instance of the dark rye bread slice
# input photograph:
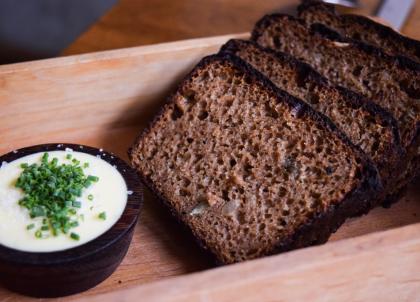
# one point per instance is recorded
(363, 29)
(249, 169)
(391, 82)
(365, 123)
(360, 28)
(413, 158)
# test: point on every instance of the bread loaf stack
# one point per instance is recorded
(271, 144)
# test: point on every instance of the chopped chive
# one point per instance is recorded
(102, 216)
(87, 184)
(44, 158)
(74, 236)
(51, 190)
(65, 229)
(86, 165)
(74, 224)
(37, 211)
(92, 178)
(90, 197)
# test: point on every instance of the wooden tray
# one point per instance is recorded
(104, 100)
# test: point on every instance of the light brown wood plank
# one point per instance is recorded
(376, 267)
(104, 100)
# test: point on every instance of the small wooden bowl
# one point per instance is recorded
(71, 271)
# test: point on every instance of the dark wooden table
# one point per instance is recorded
(141, 22)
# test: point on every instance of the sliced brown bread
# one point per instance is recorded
(364, 122)
(249, 169)
(360, 28)
(391, 82)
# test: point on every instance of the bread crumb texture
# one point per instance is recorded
(242, 168)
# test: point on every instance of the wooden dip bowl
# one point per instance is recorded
(54, 274)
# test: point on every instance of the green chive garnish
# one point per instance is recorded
(37, 211)
(51, 191)
(74, 236)
(90, 197)
(45, 158)
(102, 216)
(92, 178)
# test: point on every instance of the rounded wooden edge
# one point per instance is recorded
(53, 281)
(118, 230)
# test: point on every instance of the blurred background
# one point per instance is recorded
(34, 29)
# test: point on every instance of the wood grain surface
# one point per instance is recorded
(104, 99)
(140, 22)
(377, 267)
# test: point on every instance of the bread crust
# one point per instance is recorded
(409, 160)
(328, 33)
(318, 228)
(408, 47)
(393, 152)
(400, 60)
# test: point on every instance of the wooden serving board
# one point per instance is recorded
(104, 100)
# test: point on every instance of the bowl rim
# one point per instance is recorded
(120, 228)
